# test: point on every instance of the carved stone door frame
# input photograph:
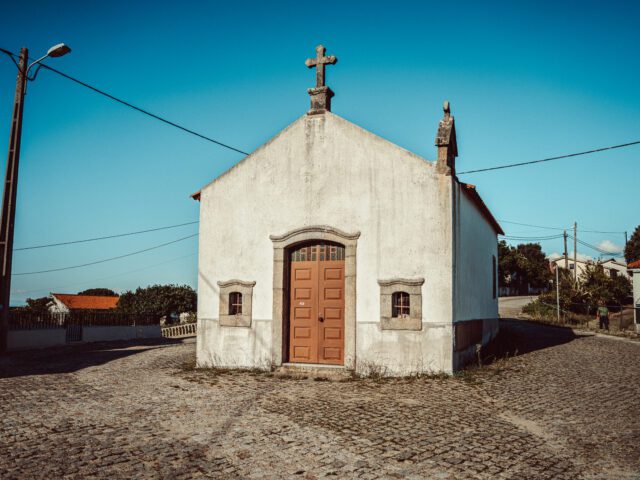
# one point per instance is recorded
(280, 244)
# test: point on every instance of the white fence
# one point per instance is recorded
(178, 331)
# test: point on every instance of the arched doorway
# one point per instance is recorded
(282, 246)
(316, 303)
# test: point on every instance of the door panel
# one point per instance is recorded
(304, 313)
(331, 311)
(317, 305)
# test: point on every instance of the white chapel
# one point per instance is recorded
(332, 247)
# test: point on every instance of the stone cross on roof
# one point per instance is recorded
(321, 94)
(319, 62)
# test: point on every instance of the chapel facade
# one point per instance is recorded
(331, 246)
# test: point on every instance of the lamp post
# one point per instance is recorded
(11, 180)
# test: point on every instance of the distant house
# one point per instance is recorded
(67, 302)
(611, 267)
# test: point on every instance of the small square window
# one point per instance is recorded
(401, 303)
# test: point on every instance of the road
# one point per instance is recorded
(554, 405)
(512, 306)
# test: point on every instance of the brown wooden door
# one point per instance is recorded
(316, 330)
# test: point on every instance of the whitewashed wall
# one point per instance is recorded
(636, 297)
(476, 244)
(323, 170)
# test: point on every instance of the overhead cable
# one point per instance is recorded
(106, 237)
(108, 259)
(530, 162)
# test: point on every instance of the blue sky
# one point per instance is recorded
(526, 80)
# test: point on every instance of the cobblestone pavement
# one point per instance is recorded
(565, 406)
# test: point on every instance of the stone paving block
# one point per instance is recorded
(562, 408)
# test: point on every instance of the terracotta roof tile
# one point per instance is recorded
(87, 302)
(635, 264)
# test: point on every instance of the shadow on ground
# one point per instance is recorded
(518, 337)
(72, 358)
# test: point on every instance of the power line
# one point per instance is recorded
(529, 225)
(622, 145)
(106, 237)
(108, 259)
(95, 280)
(142, 110)
(513, 237)
(555, 228)
(130, 105)
(597, 249)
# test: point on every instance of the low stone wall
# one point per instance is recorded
(105, 334)
(53, 337)
(36, 338)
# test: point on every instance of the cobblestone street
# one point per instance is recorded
(560, 406)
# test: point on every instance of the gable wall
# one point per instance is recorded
(323, 170)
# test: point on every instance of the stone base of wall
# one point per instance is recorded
(54, 337)
(36, 338)
(107, 334)
(468, 336)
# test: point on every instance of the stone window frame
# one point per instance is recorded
(412, 286)
(226, 289)
(281, 243)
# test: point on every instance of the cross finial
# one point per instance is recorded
(447, 109)
(319, 62)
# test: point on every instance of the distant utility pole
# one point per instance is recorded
(575, 251)
(11, 180)
(566, 254)
(625, 239)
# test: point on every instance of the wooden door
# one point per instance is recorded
(316, 329)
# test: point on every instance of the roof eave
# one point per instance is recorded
(475, 197)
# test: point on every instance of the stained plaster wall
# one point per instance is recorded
(324, 170)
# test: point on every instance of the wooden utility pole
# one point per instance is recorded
(566, 254)
(575, 251)
(9, 199)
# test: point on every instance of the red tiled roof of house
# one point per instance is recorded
(635, 264)
(87, 302)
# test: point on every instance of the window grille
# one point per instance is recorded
(235, 303)
(324, 252)
(400, 304)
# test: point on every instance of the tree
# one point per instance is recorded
(38, 305)
(160, 300)
(632, 248)
(523, 266)
(98, 292)
(594, 287)
(599, 287)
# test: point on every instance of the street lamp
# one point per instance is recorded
(11, 179)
